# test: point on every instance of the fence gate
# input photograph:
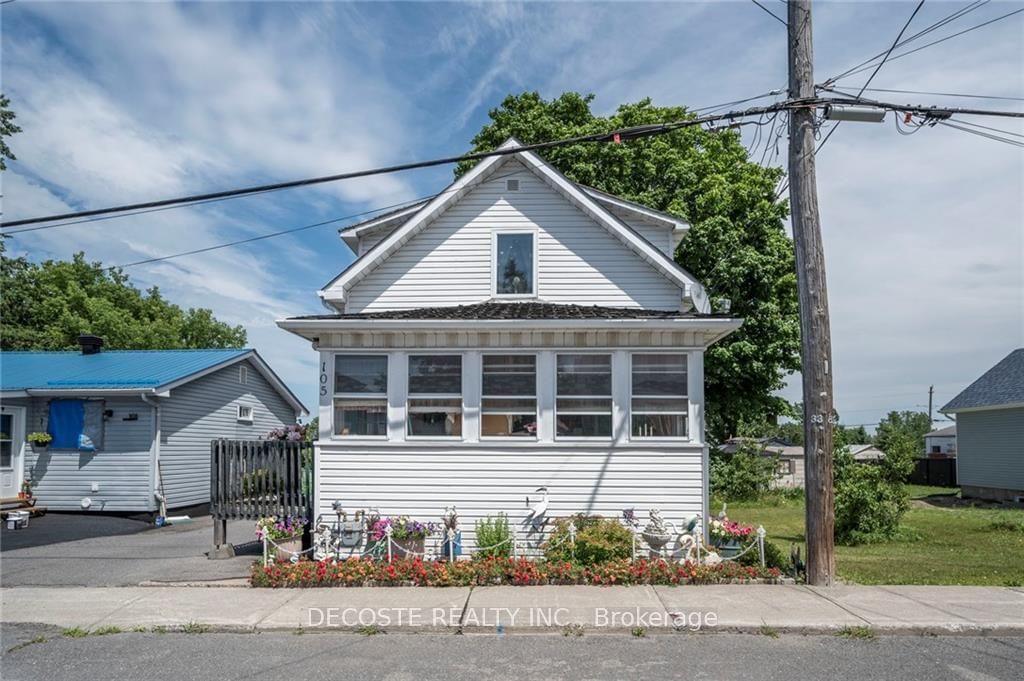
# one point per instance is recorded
(250, 479)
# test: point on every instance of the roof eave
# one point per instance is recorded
(985, 407)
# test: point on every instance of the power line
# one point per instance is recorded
(891, 48)
(771, 13)
(979, 133)
(623, 134)
(935, 42)
(986, 127)
(936, 94)
(977, 4)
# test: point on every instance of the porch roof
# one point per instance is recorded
(515, 311)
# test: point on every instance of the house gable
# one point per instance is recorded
(442, 254)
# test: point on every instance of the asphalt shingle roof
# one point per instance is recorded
(110, 369)
(1002, 384)
(514, 311)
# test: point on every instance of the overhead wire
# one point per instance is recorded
(770, 13)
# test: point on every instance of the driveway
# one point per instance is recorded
(75, 549)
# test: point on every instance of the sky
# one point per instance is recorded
(125, 102)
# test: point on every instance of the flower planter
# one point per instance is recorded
(407, 548)
(285, 548)
(655, 542)
(729, 549)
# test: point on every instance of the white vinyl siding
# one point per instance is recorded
(122, 468)
(990, 449)
(449, 262)
(485, 479)
(207, 409)
(659, 235)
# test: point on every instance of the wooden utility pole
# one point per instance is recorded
(815, 343)
(931, 395)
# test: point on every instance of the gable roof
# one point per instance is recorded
(124, 371)
(1000, 386)
(430, 210)
(948, 431)
(504, 310)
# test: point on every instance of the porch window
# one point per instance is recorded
(514, 264)
(659, 402)
(435, 395)
(6, 440)
(361, 395)
(509, 396)
(583, 404)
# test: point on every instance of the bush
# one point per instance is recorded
(745, 475)
(598, 540)
(492, 531)
(774, 557)
(870, 501)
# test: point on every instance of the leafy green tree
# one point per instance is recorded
(7, 128)
(736, 246)
(898, 427)
(45, 306)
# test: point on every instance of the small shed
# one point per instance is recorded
(990, 432)
(131, 429)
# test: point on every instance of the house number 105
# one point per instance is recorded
(323, 378)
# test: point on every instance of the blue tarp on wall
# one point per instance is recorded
(67, 418)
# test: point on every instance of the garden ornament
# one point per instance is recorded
(539, 508)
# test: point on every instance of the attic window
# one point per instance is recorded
(515, 266)
(512, 185)
(245, 413)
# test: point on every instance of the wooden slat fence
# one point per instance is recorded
(250, 479)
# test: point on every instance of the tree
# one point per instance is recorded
(7, 128)
(736, 245)
(45, 306)
(903, 429)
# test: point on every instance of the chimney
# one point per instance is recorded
(91, 345)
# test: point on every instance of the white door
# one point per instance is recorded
(12, 450)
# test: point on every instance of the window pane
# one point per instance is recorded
(435, 374)
(361, 374)
(360, 417)
(659, 425)
(514, 269)
(435, 417)
(509, 425)
(658, 404)
(659, 374)
(598, 406)
(584, 375)
(581, 425)
(510, 375)
(6, 426)
(6, 454)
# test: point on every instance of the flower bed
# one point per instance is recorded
(499, 571)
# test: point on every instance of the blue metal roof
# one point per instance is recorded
(107, 370)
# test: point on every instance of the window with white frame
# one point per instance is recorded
(435, 396)
(245, 413)
(659, 403)
(509, 396)
(361, 395)
(583, 404)
(243, 374)
(514, 264)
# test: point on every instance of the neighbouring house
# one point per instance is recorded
(940, 443)
(516, 331)
(789, 471)
(990, 431)
(130, 428)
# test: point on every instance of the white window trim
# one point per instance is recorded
(686, 396)
(535, 397)
(494, 265)
(357, 396)
(243, 374)
(610, 397)
(250, 419)
(409, 397)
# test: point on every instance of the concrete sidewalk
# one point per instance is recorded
(725, 608)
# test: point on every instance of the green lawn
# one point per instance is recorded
(940, 545)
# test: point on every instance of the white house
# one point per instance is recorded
(516, 331)
(940, 443)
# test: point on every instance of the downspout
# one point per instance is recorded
(158, 483)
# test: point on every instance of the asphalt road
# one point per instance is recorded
(412, 657)
(67, 549)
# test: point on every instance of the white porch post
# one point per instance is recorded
(620, 396)
(472, 378)
(398, 392)
(695, 392)
(546, 378)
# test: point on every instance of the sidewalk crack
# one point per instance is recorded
(836, 603)
(257, 623)
(465, 608)
(116, 610)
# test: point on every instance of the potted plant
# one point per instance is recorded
(728, 536)
(451, 543)
(26, 490)
(284, 536)
(40, 441)
(408, 536)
